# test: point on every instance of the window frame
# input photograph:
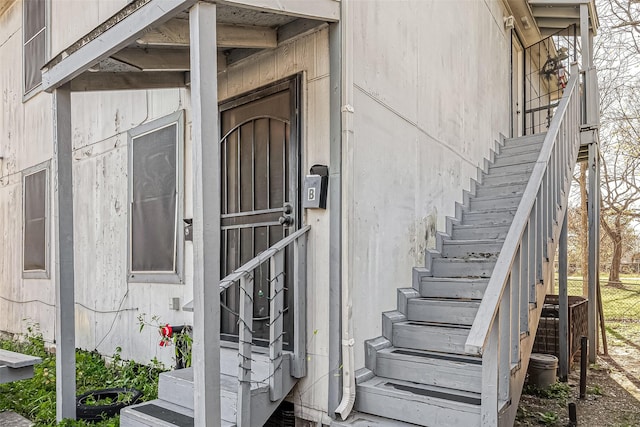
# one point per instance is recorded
(177, 275)
(38, 274)
(28, 94)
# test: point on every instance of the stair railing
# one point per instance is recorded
(244, 275)
(503, 315)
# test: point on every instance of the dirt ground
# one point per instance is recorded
(613, 392)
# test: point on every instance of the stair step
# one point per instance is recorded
(481, 232)
(462, 267)
(525, 157)
(504, 189)
(488, 217)
(538, 138)
(429, 336)
(442, 310)
(498, 177)
(489, 248)
(512, 149)
(157, 413)
(445, 287)
(495, 201)
(419, 404)
(520, 169)
(456, 372)
(360, 419)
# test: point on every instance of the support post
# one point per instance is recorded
(563, 297)
(206, 214)
(586, 41)
(594, 226)
(64, 274)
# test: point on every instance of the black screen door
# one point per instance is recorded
(259, 183)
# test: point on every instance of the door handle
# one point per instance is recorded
(286, 220)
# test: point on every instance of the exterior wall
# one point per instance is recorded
(25, 141)
(107, 306)
(431, 95)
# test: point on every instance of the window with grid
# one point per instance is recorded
(34, 38)
(34, 254)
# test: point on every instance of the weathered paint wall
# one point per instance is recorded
(25, 141)
(431, 95)
(107, 306)
(78, 18)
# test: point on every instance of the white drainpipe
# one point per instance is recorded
(348, 363)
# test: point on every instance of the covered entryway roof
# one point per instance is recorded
(152, 36)
(554, 15)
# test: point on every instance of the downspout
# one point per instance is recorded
(346, 112)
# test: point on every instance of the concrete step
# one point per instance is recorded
(462, 267)
(488, 217)
(495, 201)
(419, 404)
(480, 232)
(489, 248)
(434, 310)
(452, 371)
(447, 287)
(429, 336)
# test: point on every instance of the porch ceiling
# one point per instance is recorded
(132, 55)
(554, 15)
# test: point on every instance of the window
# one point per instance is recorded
(155, 197)
(35, 42)
(35, 253)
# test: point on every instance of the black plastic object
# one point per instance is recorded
(99, 412)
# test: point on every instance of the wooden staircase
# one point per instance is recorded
(418, 371)
(174, 406)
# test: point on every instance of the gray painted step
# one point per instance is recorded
(495, 201)
(456, 372)
(511, 169)
(488, 217)
(520, 148)
(462, 267)
(538, 138)
(443, 287)
(505, 159)
(360, 419)
(504, 189)
(435, 310)
(429, 337)
(489, 248)
(420, 404)
(481, 232)
(506, 177)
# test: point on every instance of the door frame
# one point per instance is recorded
(517, 95)
(294, 85)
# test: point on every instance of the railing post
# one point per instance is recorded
(299, 367)
(563, 301)
(516, 309)
(276, 314)
(489, 406)
(505, 334)
(245, 338)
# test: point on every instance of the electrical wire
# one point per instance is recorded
(94, 310)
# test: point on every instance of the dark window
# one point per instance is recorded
(35, 221)
(154, 201)
(34, 37)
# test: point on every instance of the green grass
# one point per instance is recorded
(619, 302)
(36, 398)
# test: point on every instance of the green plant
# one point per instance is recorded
(548, 418)
(559, 391)
(595, 390)
(179, 337)
(36, 398)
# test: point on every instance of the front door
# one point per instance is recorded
(259, 194)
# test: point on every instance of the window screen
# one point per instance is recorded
(34, 42)
(35, 238)
(154, 201)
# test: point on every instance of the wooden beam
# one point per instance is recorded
(112, 40)
(563, 301)
(154, 59)
(64, 273)
(176, 33)
(206, 215)
(593, 244)
(92, 82)
(556, 12)
(323, 10)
